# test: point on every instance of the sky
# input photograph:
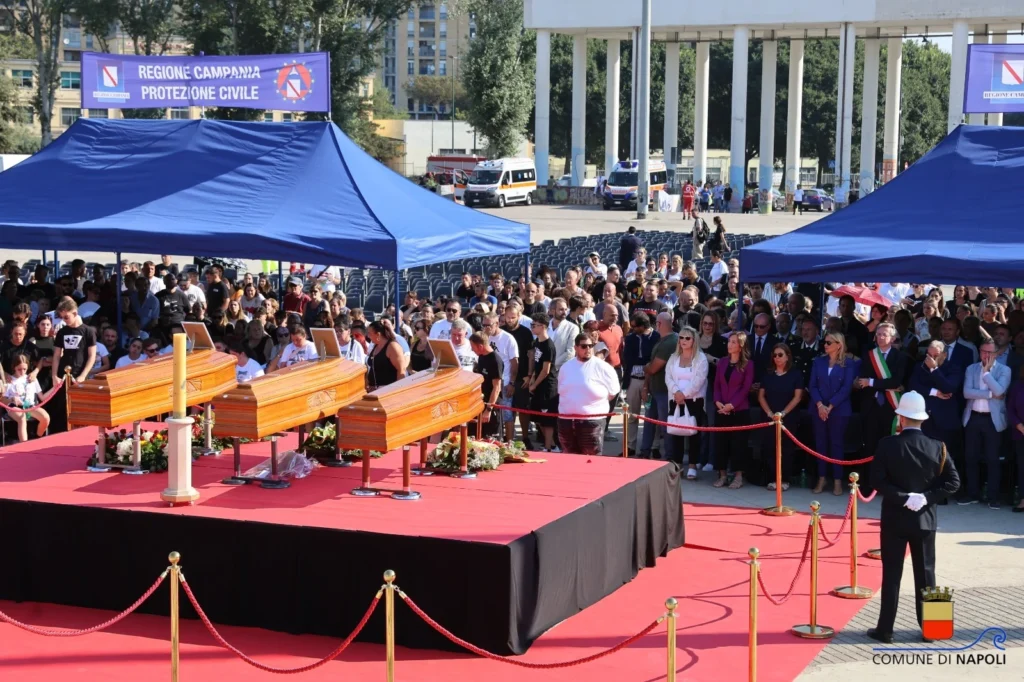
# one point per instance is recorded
(946, 44)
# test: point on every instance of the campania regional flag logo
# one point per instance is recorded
(294, 82)
(1007, 77)
(110, 81)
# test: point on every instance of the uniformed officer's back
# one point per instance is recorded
(911, 462)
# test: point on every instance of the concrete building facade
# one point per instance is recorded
(692, 21)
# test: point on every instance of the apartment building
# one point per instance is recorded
(429, 41)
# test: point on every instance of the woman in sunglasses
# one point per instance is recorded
(420, 355)
(686, 376)
(832, 378)
(782, 389)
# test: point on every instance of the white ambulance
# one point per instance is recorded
(620, 191)
(500, 182)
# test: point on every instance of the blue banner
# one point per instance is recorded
(995, 79)
(289, 82)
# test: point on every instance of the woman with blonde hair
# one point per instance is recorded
(686, 376)
(832, 378)
(733, 379)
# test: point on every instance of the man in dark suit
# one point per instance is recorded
(628, 246)
(857, 336)
(940, 382)
(806, 347)
(760, 344)
(882, 372)
(912, 473)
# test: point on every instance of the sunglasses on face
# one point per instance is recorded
(585, 345)
(778, 355)
(686, 338)
(829, 343)
(760, 326)
(453, 311)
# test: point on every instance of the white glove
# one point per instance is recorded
(916, 502)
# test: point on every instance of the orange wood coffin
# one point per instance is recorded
(411, 409)
(289, 397)
(143, 389)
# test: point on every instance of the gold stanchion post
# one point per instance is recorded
(389, 623)
(625, 431)
(671, 605)
(853, 591)
(778, 509)
(67, 397)
(752, 641)
(812, 630)
(175, 570)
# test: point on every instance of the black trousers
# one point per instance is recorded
(732, 448)
(877, 423)
(57, 408)
(922, 557)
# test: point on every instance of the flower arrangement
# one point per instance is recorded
(120, 445)
(321, 443)
(484, 455)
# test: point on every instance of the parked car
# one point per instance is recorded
(818, 200)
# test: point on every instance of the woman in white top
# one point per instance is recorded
(675, 269)
(686, 376)
(134, 354)
(23, 393)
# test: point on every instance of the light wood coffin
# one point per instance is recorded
(287, 398)
(144, 389)
(411, 409)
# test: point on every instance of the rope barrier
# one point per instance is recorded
(17, 410)
(842, 526)
(868, 498)
(809, 451)
(712, 429)
(799, 569)
(55, 632)
(266, 668)
(523, 664)
(536, 413)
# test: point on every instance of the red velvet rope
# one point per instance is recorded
(745, 427)
(535, 413)
(868, 498)
(18, 410)
(799, 569)
(523, 664)
(841, 462)
(266, 668)
(842, 526)
(54, 632)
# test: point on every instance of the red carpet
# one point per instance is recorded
(712, 587)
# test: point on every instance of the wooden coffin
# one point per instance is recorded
(411, 409)
(289, 397)
(143, 389)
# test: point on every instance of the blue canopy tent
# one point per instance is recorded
(916, 228)
(297, 192)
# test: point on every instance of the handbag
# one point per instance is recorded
(681, 424)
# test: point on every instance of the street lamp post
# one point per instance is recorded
(453, 75)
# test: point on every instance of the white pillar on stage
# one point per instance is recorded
(700, 113)
(794, 111)
(869, 117)
(643, 128)
(611, 107)
(738, 134)
(997, 119)
(957, 75)
(542, 123)
(844, 115)
(891, 126)
(979, 38)
(766, 168)
(578, 157)
(671, 104)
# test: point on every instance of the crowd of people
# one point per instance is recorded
(645, 330)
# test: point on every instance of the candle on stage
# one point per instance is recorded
(179, 436)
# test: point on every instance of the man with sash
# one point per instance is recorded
(883, 371)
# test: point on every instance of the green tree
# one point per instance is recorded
(499, 74)
(383, 108)
(437, 92)
(40, 22)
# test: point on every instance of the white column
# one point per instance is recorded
(891, 127)
(869, 117)
(794, 111)
(979, 38)
(997, 119)
(957, 75)
(578, 157)
(634, 105)
(766, 168)
(844, 115)
(738, 134)
(542, 122)
(671, 104)
(700, 113)
(643, 128)
(611, 107)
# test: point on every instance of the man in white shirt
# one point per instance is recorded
(798, 200)
(985, 386)
(328, 276)
(562, 332)
(719, 269)
(463, 349)
(895, 292)
(585, 386)
(246, 369)
(192, 292)
(442, 329)
(508, 350)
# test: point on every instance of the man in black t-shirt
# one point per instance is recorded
(488, 366)
(541, 381)
(524, 341)
(173, 302)
(74, 348)
(650, 303)
(217, 294)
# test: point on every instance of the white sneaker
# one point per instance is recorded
(691, 474)
(708, 467)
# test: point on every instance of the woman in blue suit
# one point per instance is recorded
(832, 377)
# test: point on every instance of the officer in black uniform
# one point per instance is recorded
(913, 473)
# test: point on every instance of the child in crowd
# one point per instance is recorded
(23, 393)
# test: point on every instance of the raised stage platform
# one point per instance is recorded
(498, 560)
